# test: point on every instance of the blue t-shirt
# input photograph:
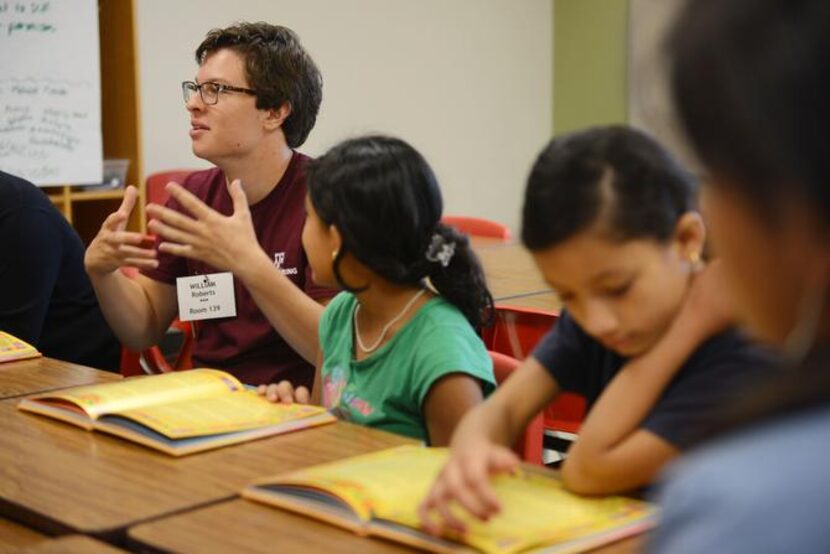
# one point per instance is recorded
(765, 490)
(717, 371)
(388, 388)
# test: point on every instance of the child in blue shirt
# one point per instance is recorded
(611, 222)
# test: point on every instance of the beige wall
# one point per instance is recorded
(468, 82)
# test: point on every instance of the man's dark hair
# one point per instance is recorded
(278, 68)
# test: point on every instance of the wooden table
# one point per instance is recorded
(17, 538)
(14, 537)
(71, 544)
(512, 275)
(540, 300)
(262, 529)
(256, 528)
(43, 374)
(60, 479)
(510, 270)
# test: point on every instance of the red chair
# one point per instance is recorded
(155, 185)
(152, 359)
(478, 227)
(529, 447)
(155, 190)
(515, 332)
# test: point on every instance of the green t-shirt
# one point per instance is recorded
(387, 389)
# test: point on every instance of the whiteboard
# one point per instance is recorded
(50, 91)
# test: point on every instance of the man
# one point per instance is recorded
(254, 99)
(46, 297)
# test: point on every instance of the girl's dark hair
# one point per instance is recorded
(278, 68)
(615, 176)
(383, 198)
(751, 83)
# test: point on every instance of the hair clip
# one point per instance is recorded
(440, 250)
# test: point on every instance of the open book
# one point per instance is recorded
(178, 413)
(379, 493)
(12, 348)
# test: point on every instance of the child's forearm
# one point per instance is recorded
(293, 314)
(487, 421)
(504, 415)
(623, 405)
(494, 421)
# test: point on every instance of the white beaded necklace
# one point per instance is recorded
(386, 327)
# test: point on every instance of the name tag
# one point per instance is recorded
(206, 296)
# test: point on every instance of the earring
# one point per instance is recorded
(695, 261)
(334, 254)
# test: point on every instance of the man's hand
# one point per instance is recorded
(224, 242)
(114, 247)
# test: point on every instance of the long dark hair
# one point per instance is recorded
(384, 199)
(615, 175)
(751, 82)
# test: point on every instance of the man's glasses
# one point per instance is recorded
(210, 91)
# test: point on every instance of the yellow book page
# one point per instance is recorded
(536, 509)
(362, 481)
(135, 392)
(218, 414)
(13, 348)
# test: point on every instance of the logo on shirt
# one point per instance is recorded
(279, 259)
(342, 402)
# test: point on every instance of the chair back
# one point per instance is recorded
(529, 447)
(478, 227)
(152, 360)
(154, 186)
(515, 332)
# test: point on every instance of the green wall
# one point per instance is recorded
(590, 46)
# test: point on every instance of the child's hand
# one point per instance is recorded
(284, 392)
(710, 306)
(466, 480)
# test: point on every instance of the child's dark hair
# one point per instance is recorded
(384, 199)
(278, 68)
(616, 177)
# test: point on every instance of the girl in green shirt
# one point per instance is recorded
(397, 348)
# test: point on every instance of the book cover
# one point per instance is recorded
(378, 494)
(178, 413)
(13, 348)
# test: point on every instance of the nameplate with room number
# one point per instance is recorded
(206, 296)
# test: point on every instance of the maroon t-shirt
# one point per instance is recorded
(247, 345)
